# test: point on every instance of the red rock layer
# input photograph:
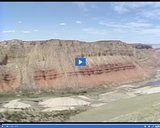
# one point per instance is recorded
(85, 76)
(7, 82)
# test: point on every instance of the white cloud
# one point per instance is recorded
(19, 22)
(86, 6)
(82, 5)
(98, 18)
(9, 31)
(110, 24)
(150, 31)
(140, 9)
(35, 30)
(25, 31)
(154, 13)
(140, 28)
(78, 22)
(126, 25)
(62, 24)
(95, 31)
(121, 7)
(138, 24)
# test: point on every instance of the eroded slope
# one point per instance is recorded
(46, 65)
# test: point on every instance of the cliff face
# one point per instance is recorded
(44, 65)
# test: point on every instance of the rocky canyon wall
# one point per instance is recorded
(45, 65)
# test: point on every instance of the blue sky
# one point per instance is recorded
(131, 22)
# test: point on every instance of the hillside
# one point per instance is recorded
(144, 108)
(47, 65)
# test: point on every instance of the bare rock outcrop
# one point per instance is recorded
(47, 65)
(141, 46)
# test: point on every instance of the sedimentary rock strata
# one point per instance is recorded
(45, 65)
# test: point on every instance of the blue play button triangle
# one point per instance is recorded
(80, 61)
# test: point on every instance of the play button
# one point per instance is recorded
(80, 61)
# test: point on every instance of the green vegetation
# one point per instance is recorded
(6, 96)
(14, 116)
(20, 116)
(135, 107)
(148, 114)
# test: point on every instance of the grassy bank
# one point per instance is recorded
(113, 111)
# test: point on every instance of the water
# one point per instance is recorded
(152, 83)
(157, 82)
